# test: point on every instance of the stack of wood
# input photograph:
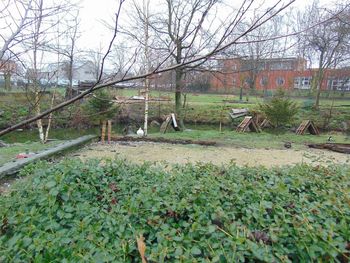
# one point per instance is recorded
(265, 124)
(248, 124)
(307, 125)
(169, 121)
(103, 131)
(236, 113)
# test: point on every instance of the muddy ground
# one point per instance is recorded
(149, 151)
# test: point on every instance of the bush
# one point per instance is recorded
(89, 212)
(100, 106)
(279, 110)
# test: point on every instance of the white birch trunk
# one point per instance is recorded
(148, 62)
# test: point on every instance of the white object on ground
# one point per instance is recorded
(140, 132)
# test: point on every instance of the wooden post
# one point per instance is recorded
(109, 131)
(103, 133)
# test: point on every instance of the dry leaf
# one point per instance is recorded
(141, 247)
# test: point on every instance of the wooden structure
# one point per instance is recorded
(307, 125)
(265, 124)
(109, 131)
(236, 113)
(170, 120)
(248, 124)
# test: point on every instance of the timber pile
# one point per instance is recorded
(336, 147)
(248, 124)
(265, 124)
(307, 125)
(169, 121)
(161, 140)
(236, 113)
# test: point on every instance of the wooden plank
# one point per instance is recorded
(174, 120)
(165, 124)
(103, 132)
(109, 124)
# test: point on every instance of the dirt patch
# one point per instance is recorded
(139, 152)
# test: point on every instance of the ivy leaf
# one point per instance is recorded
(196, 251)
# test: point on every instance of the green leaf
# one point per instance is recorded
(50, 184)
(196, 251)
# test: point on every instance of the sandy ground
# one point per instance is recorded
(153, 152)
(139, 152)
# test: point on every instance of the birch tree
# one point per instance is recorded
(189, 43)
(39, 34)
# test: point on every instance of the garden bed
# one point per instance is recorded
(91, 211)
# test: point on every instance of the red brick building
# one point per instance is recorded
(271, 74)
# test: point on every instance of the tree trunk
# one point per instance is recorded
(7, 81)
(178, 87)
(69, 90)
(178, 97)
(319, 80)
(145, 126)
(39, 122)
(148, 63)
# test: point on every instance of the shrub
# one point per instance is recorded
(100, 106)
(88, 212)
(279, 110)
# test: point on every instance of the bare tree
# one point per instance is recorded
(142, 20)
(39, 34)
(68, 49)
(325, 39)
(190, 57)
(14, 19)
(95, 56)
(181, 27)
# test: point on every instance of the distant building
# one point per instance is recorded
(85, 71)
(7, 69)
(271, 74)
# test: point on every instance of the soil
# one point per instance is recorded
(139, 152)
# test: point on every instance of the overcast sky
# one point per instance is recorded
(93, 12)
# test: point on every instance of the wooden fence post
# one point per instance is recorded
(103, 132)
(109, 131)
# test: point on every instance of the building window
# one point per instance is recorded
(234, 67)
(339, 84)
(281, 66)
(234, 82)
(280, 81)
(263, 81)
(302, 82)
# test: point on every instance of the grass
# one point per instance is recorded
(28, 136)
(9, 153)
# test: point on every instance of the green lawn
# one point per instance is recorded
(8, 154)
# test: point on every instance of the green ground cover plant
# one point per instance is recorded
(94, 212)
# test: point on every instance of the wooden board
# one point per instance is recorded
(174, 122)
(165, 124)
(307, 125)
(248, 123)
